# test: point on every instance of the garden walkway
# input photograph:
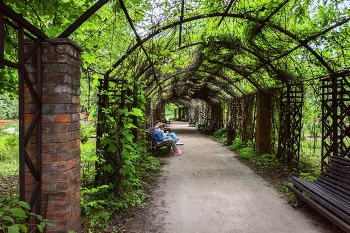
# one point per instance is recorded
(206, 189)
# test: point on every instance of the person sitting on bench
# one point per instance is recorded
(159, 137)
(168, 134)
(153, 129)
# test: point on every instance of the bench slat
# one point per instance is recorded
(328, 195)
(343, 225)
(341, 171)
(335, 188)
(340, 160)
(335, 178)
(337, 185)
(328, 204)
(155, 144)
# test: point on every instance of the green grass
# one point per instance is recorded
(9, 162)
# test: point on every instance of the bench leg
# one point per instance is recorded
(299, 202)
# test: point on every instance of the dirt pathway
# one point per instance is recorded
(206, 189)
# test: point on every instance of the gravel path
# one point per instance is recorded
(206, 189)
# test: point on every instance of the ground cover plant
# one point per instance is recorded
(13, 213)
(9, 162)
(99, 204)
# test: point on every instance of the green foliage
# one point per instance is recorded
(87, 164)
(86, 131)
(8, 152)
(246, 153)
(237, 144)
(100, 203)
(8, 106)
(220, 133)
(13, 215)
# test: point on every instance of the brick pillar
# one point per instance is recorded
(263, 123)
(60, 177)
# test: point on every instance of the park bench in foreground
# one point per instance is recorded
(329, 194)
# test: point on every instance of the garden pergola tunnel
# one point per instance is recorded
(223, 56)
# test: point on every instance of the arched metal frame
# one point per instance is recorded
(334, 108)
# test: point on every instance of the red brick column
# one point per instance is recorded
(263, 123)
(60, 177)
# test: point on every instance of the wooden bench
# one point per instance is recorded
(329, 194)
(192, 121)
(156, 145)
(203, 124)
(209, 128)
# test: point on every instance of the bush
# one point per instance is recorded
(13, 218)
(237, 145)
(9, 147)
(86, 130)
(246, 153)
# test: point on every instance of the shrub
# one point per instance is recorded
(13, 218)
(86, 130)
(237, 145)
(246, 153)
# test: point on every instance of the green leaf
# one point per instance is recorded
(39, 217)
(24, 205)
(13, 229)
(18, 212)
(112, 147)
(137, 112)
(22, 227)
(8, 218)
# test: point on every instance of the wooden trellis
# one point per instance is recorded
(335, 118)
(291, 102)
(235, 116)
(248, 118)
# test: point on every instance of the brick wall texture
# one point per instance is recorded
(247, 119)
(263, 123)
(60, 176)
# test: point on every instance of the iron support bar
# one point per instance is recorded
(21, 21)
(267, 19)
(226, 11)
(39, 130)
(31, 50)
(14, 26)
(22, 146)
(82, 18)
(2, 40)
(181, 19)
(32, 91)
(11, 64)
(138, 39)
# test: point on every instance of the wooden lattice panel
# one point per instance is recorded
(235, 115)
(290, 124)
(335, 118)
